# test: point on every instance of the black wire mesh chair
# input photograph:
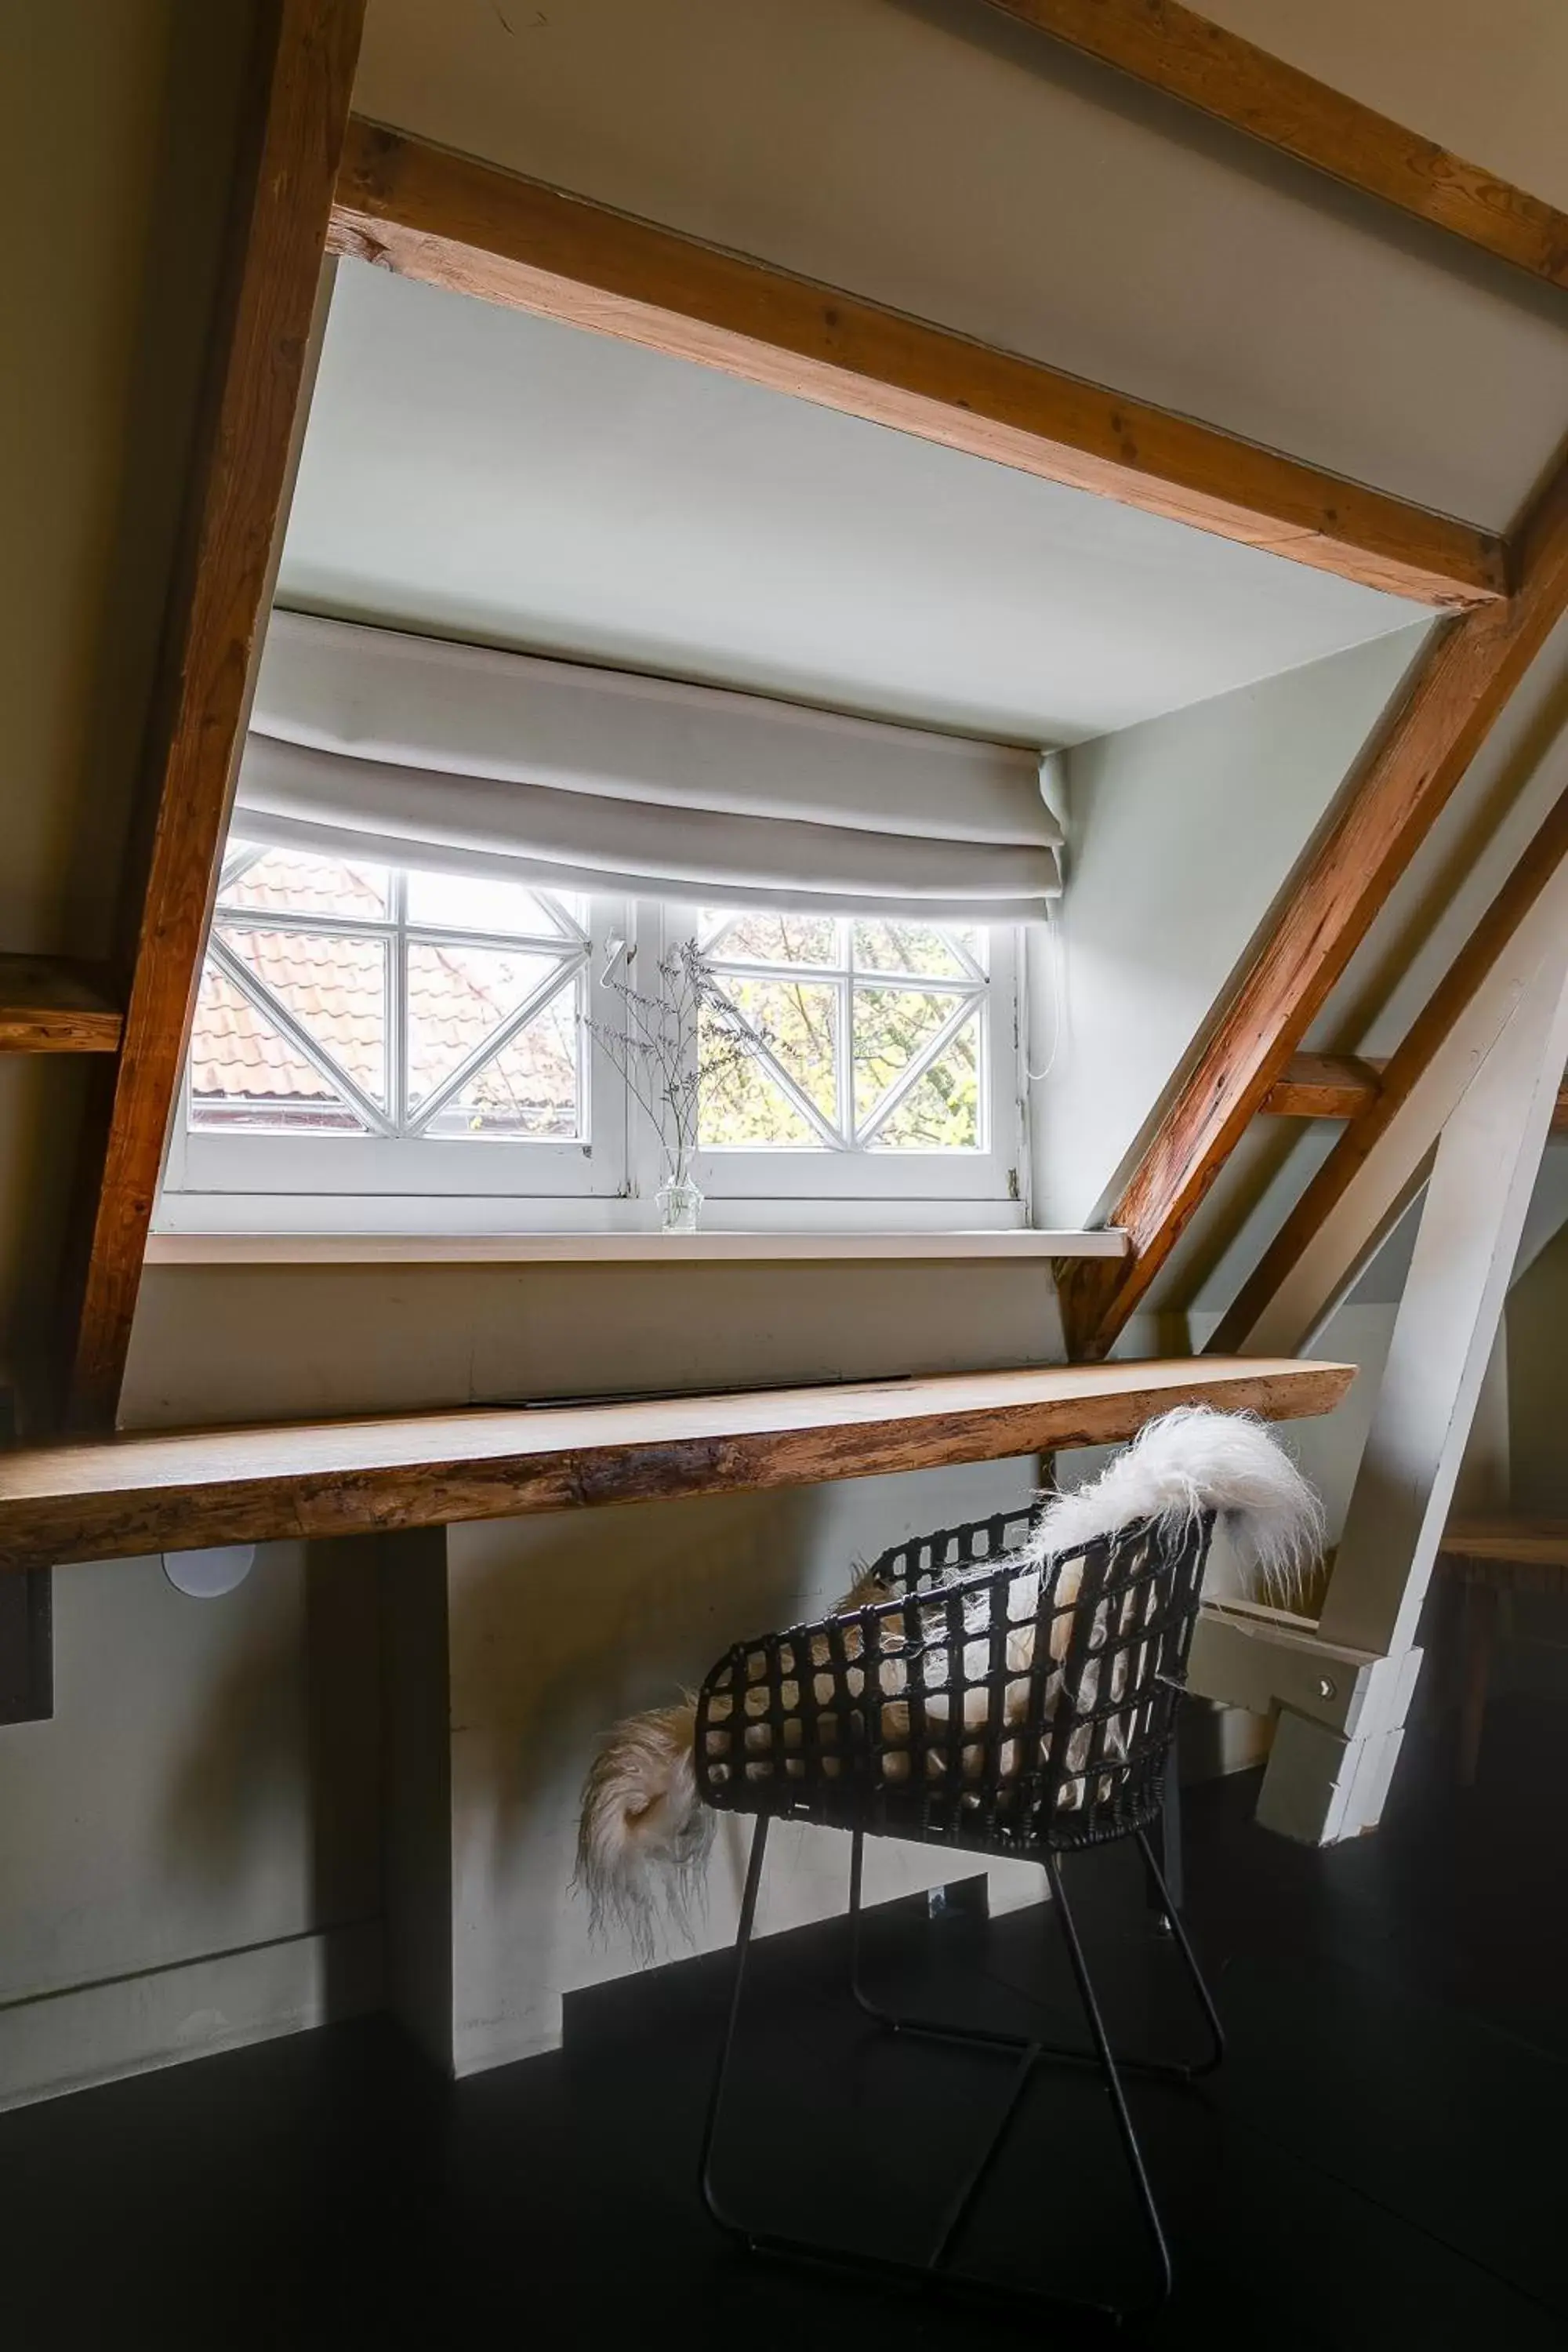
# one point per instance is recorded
(961, 1701)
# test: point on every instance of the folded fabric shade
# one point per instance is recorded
(374, 742)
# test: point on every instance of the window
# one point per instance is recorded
(378, 1048)
(882, 1063)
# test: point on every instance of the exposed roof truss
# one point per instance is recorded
(457, 222)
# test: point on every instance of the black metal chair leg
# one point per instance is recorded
(926, 2029)
(1029, 2055)
(1175, 1885)
(716, 2096)
(1118, 2097)
(1189, 1958)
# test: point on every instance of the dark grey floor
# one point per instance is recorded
(1380, 2162)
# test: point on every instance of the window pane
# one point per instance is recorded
(472, 902)
(247, 1075)
(282, 881)
(455, 997)
(797, 1021)
(771, 939)
(741, 1105)
(893, 1026)
(919, 948)
(335, 988)
(529, 1088)
(942, 1111)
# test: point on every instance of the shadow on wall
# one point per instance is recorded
(558, 1627)
(287, 1742)
(616, 1619)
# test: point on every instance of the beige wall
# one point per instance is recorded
(558, 1627)
(934, 155)
(1484, 78)
(189, 1849)
(220, 1343)
(120, 117)
(187, 1857)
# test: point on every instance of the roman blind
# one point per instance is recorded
(373, 742)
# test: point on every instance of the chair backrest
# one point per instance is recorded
(1002, 1708)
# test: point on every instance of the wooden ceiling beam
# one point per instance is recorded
(1405, 777)
(453, 221)
(302, 78)
(56, 1004)
(1172, 49)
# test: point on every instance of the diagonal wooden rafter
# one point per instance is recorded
(1173, 50)
(1407, 777)
(1288, 1263)
(453, 221)
(301, 76)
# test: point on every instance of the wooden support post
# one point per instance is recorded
(264, 345)
(1324, 1784)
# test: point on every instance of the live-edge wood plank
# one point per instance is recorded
(105, 1498)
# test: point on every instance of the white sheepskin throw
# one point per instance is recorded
(643, 1836)
(644, 1833)
(1188, 1462)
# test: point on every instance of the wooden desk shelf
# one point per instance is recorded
(122, 1496)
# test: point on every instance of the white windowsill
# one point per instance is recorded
(678, 1249)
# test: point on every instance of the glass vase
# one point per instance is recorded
(680, 1201)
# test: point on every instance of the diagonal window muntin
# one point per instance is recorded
(847, 973)
(566, 949)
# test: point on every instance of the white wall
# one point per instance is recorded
(1430, 913)
(1181, 833)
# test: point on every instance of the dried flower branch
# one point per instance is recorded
(673, 1044)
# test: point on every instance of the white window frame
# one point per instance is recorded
(430, 1185)
(841, 1174)
(205, 1164)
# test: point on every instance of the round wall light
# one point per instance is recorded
(207, 1574)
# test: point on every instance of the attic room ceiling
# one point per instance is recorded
(480, 473)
